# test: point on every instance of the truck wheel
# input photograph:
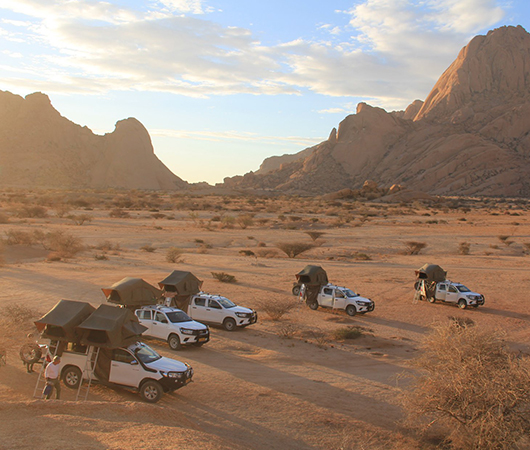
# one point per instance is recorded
(174, 342)
(30, 353)
(151, 391)
(462, 304)
(313, 306)
(296, 290)
(351, 310)
(72, 377)
(422, 298)
(432, 299)
(229, 324)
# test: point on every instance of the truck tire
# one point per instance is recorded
(151, 391)
(432, 300)
(72, 377)
(462, 304)
(30, 353)
(296, 290)
(229, 324)
(174, 342)
(351, 310)
(313, 305)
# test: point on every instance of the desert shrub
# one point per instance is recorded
(80, 219)
(108, 246)
(158, 215)
(287, 331)
(472, 386)
(341, 334)
(359, 256)
(19, 314)
(314, 235)
(277, 308)
(228, 221)
(503, 238)
(224, 277)
(148, 248)
(64, 245)
(245, 221)
(2, 260)
(31, 211)
(414, 248)
(100, 257)
(246, 253)
(18, 237)
(62, 210)
(266, 252)
(118, 213)
(463, 248)
(293, 249)
(262, 244)
(174, 254)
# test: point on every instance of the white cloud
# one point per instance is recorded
(97, 46)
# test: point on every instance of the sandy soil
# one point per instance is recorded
(284, 384)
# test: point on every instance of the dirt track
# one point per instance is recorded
(254, 388)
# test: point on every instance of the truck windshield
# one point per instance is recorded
(349, 293)
(462, 288)
(226, 303)
(146, 354)
(178, 316)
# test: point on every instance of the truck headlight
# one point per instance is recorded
(173, 375)
(186, 331)
(242, 315)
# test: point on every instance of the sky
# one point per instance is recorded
(221, 85)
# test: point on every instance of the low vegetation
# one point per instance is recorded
(471, 387)
(224, 277)
(277, 308)
(174, 255)
(414, 247)
(293, 249)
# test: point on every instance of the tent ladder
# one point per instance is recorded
(88, 373)
(51, 351)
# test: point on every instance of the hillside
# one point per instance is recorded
(469, 137)
(40, 148)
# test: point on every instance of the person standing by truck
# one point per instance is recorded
(52, 374)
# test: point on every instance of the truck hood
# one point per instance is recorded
(240, 309)
(191, 325)
(360, 299)
(471, 293)
(168, 365)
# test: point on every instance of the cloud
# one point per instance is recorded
(386, 54)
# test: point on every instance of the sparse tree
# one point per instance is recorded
(414, 248)
(293, 249)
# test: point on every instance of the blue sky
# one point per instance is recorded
(222, 84)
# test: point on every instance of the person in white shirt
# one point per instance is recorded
(52, 374)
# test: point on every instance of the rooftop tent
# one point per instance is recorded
(132, 292)
(431, 272)
(110, 327)
(182, 283)
(61, 321)
(312, 275)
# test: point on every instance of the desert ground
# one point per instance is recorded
(290, 383)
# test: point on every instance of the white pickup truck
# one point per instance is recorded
(449, 292)
(219, 310)
(136, 367)
(338, 297)
(172, 325)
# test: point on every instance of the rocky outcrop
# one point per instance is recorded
(40, 148)
(471, 136)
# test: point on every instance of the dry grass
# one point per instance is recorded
(277, 308)
(174, 255)
(472, 387)
(414, 247)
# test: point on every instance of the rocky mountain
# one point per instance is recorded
(40, 148)
(471, 136)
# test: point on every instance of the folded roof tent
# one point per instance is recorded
(61, 321)
(182, 283)
(311, 275)
(132, 292)
(431, 272)
(110, 327)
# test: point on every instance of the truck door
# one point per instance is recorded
(144, 317)
(159, 325)
(339, 299)
(216, 313)
(452, 294)
(326, 297)
(441, 291)
(125, 368)
(197, 309)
